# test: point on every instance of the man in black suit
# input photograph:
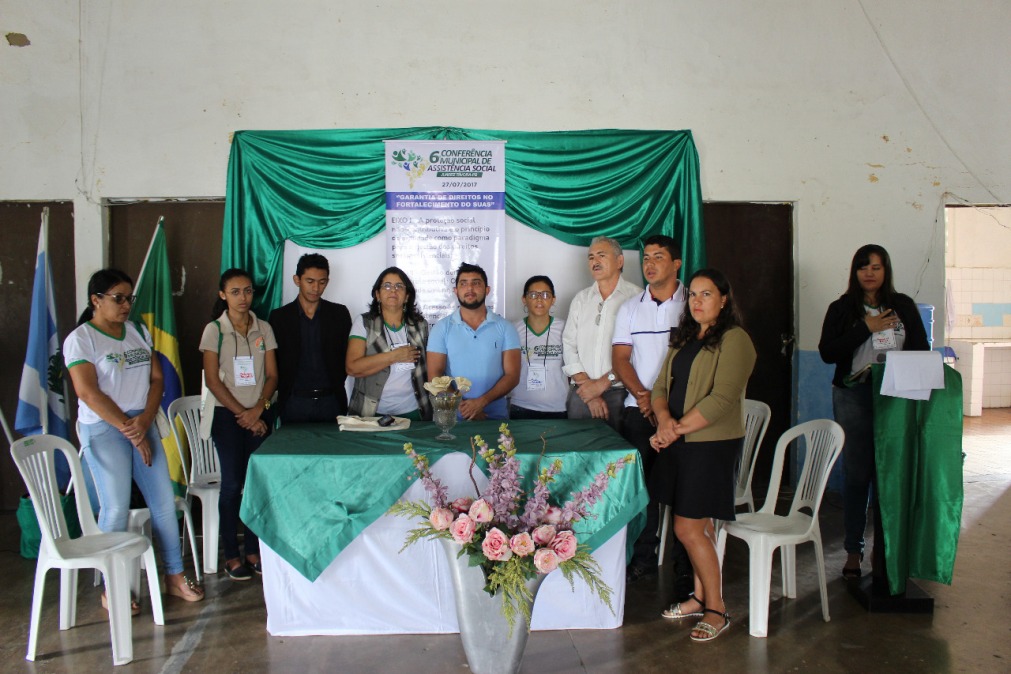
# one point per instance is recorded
(312, 342)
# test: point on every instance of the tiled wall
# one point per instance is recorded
(981, 298)
(997, 377)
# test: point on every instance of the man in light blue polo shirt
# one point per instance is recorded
(478, 344)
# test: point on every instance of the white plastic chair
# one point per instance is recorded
(204, 479)
(139, 521)
(765, 531)
(112, 553)
(756, 422)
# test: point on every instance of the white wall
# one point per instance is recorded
(865, 114)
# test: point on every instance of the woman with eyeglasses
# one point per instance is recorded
(386, 352)
(543, 387)
(118, 381)
(240, 371)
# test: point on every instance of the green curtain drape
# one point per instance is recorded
(326, 189)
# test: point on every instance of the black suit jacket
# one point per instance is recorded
(334, 330)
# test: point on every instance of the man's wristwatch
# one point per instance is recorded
(611, 377)
(266, 403)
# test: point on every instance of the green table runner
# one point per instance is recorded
(311, 489)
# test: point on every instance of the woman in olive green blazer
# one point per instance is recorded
(699, 404)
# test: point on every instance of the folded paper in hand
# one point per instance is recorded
(912, 374)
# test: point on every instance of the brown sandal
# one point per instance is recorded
(186, 590)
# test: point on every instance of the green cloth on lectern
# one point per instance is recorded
(311, 489)
(327, 189)
(918, 456)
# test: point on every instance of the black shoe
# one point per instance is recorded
(240, 572)
(636, 572)
(256, 567)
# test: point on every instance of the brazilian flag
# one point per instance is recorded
(154, 308)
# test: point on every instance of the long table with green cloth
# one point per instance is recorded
(332, 563)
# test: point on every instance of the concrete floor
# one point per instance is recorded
(226, 632)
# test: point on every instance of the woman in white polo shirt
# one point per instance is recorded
(543, 387)
(240, 370)
(119, 388)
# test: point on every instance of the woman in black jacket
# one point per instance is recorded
(860, 327)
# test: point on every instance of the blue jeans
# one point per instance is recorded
(854, 411)
(115, 465)
(234, 445)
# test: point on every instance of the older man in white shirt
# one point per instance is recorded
(595, 391)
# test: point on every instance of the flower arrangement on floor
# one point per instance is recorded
(513, 535)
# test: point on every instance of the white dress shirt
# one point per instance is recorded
(586, 341)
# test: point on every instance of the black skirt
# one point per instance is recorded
(698, 479)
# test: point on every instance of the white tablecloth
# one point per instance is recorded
(372, 588)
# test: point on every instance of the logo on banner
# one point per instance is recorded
(414, 164)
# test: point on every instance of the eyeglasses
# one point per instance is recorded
(600, 307)
(539, 295)
(119, 298)
(390, 287)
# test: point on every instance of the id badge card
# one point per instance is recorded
(242, 369)
(884, 340)
(536, 376)
(403, 367)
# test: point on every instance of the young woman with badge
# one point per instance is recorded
(543, 388)
(240, 371)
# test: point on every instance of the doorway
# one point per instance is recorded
(752, 243)
(977, 278)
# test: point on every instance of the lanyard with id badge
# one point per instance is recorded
(885, 339)
(397, 344)
(243, 369)
(536, 374)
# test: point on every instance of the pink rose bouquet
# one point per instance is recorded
(513, 534)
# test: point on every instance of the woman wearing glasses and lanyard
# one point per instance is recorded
(119, 386)
(386, 352)
(543, 388)
(240, 370)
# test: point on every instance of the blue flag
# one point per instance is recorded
(42, 399)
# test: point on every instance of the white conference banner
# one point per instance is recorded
(445, 205)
